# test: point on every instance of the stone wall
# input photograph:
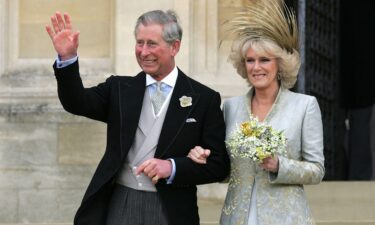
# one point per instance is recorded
(46, 160)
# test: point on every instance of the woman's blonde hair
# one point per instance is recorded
(288, 63)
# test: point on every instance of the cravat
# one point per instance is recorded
(158, 97)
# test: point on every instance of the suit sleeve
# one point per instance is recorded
(309, 170)
(89, 102)
(213, 136)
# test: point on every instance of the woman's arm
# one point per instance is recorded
(310, 169)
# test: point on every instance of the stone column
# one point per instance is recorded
(209, 56)
(3, 16)
(205, 42)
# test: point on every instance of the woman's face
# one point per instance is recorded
(261, 69)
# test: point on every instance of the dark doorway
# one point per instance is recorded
(319, 76)
(337, 47)
(357, 35)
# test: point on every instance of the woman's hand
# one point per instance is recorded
(199, 155)
(270, 164)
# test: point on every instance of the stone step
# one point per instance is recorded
(343, 201)
(332, 203)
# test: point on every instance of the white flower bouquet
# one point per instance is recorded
(256, 140)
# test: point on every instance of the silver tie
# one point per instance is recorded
(157, 98)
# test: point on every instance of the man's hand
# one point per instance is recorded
(63, 38)
(155, 169)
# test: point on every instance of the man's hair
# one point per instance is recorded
(172, 30)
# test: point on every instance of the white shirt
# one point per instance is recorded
(169, 80)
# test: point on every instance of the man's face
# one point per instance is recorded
(154, 55)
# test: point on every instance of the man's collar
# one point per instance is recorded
(170, 79)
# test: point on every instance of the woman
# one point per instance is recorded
(271, 192)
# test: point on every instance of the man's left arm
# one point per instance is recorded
(183, 170)
(212, 137)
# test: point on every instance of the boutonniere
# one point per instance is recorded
(185, 101)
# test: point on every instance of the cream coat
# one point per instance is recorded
(280, 197)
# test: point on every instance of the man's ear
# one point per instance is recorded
(175, 47)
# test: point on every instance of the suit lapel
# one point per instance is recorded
(131, 98)
(176, 115)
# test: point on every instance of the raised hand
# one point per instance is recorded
(199, 155)
(63, 38)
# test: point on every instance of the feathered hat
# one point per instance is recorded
(267, 19)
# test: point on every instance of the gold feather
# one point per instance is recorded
(267, 19)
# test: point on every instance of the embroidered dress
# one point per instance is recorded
(253, 220)
(276, 198)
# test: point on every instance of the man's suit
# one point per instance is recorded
(118, 102)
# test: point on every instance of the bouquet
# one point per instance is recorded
(255, 140)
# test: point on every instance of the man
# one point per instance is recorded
(153, 120)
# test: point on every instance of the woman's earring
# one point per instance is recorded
(278, 76)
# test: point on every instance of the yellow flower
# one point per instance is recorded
(256, 141)
(246, 129)
(261, 154)
(256, 133)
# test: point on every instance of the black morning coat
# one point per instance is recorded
(118, 102)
